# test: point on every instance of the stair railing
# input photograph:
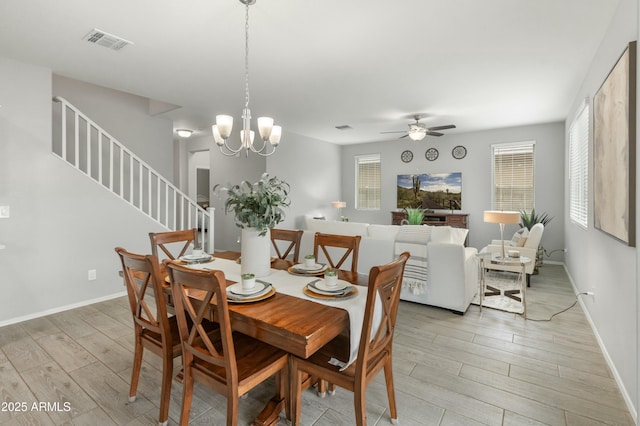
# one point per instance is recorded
(87, 147)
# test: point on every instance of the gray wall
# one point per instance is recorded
(142, 134)
(62, 224)
(310, 166)
(596, 261)
(476, 176)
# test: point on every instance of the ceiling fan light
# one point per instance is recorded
(417, 136)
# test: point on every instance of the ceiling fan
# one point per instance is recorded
(418, 131)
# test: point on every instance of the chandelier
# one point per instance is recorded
(269, 134)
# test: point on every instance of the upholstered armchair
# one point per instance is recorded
(524, 243)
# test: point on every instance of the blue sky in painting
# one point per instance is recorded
(433, 182)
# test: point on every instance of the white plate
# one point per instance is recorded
(195, 257)
(315, 268)
(322, 286)
(237, 290)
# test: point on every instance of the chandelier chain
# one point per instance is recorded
(246, 56)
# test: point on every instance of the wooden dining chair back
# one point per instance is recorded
(173, 243)
(374, 350)
(293, 237)
(347, 245)
(153, 328)
(228, 362)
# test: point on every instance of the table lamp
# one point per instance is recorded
(339, 205)
(501, 217)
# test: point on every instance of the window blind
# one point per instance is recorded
(368, 182)
(513, 176)
(579, 167)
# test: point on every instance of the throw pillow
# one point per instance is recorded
(520, 237)
(441, 234)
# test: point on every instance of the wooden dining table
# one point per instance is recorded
(295, 325)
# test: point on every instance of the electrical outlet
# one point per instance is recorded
(4, 212)
(91, 275)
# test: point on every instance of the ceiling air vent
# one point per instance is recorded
(105, 39)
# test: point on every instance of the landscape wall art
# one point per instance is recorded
(433, 191)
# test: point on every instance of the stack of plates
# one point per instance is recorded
(301, 269)
(196, 258)
(320, 289)
(260, 291)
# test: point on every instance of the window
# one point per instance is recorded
(368, 182)
(512, 184)
(579, 167)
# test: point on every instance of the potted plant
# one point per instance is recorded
(415, 216)
(257, 207)
(527, 220)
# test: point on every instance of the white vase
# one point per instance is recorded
(255, 252)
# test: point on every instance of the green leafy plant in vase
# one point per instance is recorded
(257, 207)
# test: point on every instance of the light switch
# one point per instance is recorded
(4, 212)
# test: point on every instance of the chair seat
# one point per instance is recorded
(253, 358)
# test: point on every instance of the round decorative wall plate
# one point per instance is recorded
(459, 152)
(406, 156)
(431, 154)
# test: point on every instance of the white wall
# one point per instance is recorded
(595, 261)
(476, 176)
(62, 224)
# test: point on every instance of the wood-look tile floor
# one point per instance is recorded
(486, 367)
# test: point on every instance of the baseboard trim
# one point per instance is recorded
(614, 371)
(62, 309)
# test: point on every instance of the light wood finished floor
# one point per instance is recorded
(481, 368)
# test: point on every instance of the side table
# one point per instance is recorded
(488, 259)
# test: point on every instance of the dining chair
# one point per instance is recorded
(169, 242)
(292, 236)
(154, 329)
(347, 245)
(232, 364)
(374, 352)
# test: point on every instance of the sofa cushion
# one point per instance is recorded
(459, 235)
(336, 227)
(440, 234)
(383, 232)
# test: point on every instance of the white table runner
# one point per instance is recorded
(293, 285)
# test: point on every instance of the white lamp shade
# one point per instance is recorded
(501, 216)
(417, 135)
(225, 124)
(265, 125)
(276, 134)
(338, 204)
(216, 135)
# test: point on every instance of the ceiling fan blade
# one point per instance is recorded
(401, 137)
(430, 133)
(448, 126)
(396, 131)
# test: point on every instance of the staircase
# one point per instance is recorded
(84, 145)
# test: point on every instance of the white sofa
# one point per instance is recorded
(452, 268)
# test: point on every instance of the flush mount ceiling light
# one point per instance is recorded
(269, 134)
(184, 133)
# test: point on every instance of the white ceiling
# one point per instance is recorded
(317, 64)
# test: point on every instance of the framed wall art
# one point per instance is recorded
(614, 150)
(430, 191)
